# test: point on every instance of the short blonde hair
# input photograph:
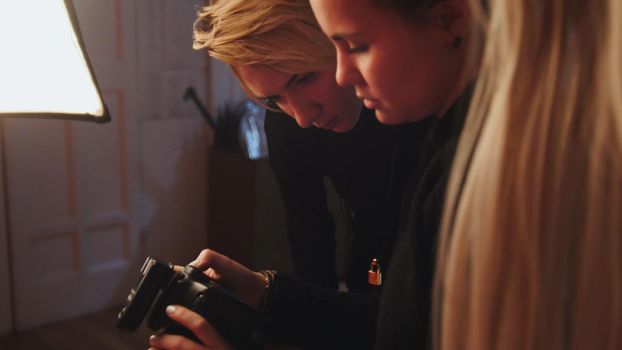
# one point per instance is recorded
(280, 34)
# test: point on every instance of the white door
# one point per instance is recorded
(88, 202)
(69, 184)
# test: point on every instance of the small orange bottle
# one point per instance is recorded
(374, 275)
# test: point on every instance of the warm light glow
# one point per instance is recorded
(42, 67)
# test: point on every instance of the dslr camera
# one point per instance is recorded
(159, 286)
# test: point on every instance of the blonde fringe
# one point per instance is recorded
(530, 254)
(266, 33)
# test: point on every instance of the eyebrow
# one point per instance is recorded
(343, 36)
(289, 82)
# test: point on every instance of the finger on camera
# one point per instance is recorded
(196, 323)
(212, 259)
(209, 272)
(204, 260)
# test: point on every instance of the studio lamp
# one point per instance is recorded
(44, 69)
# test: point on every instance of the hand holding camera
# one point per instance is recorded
(247, 285)
(226, 296)
(203, 330)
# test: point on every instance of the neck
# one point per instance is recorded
(451, 100)
(465, 78)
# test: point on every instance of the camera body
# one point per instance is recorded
(159, 286)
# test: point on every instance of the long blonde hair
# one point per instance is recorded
(530, 255)
(280, 34)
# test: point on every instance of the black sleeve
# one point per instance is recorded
(308, 317)
(296, 161)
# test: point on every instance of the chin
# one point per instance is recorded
(388, 118)
(346, 125)
(343, 128)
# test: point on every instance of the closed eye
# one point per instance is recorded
(305, 79)
(349, 42)
(357, 49)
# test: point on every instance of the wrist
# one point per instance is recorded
(268, 277)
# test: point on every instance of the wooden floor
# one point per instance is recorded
(92, 332)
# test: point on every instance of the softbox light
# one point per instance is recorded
(44, 69)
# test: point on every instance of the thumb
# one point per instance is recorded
(237, 278)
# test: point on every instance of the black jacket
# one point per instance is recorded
(368, 166)
(311, 318)
(404, 315)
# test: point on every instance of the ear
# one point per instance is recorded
(451, 16)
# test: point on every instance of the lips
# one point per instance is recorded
(370, 103)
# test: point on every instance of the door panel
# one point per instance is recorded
(69, 217)
(72, 223)
(81, 210)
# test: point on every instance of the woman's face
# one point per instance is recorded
(405, 70)
(312, 99)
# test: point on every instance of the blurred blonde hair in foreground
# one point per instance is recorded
(530, 255)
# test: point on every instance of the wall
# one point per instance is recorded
(224, 85)
(173, 139)
(142, 52)
(5, 282)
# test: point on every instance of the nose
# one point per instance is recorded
(304, 111)
(346, 73)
